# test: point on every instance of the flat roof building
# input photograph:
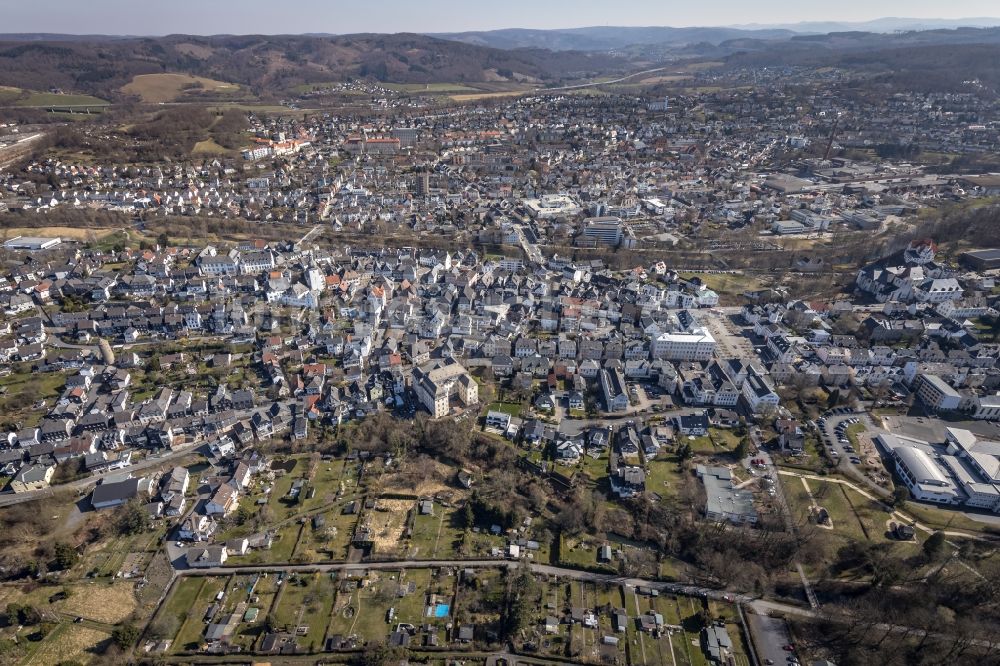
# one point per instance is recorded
(982, 260)
(723, 501)
(32, 243)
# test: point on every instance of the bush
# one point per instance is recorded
(125, 636)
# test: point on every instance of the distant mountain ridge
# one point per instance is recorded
(885, 24)
(607, 38)
(611, 38)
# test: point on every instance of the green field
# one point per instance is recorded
(39, 99)
(512, 408)
(430, 87)
(305, 601)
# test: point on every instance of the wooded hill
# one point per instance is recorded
(271, 64)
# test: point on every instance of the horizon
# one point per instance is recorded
(342, 17)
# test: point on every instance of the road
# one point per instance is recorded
(15, 151)
(309, 234)
(593, 84)
(759, 605)
(81, 485)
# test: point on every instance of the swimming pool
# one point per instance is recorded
(441, 610)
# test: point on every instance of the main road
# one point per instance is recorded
(759, 605)
(81, 485)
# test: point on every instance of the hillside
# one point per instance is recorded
(271, 64)
(933, 61)
(608, 38)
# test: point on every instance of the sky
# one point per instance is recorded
(159, 17)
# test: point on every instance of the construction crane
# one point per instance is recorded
(833, 133)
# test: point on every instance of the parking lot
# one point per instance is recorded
(730, 338)
(770, 636)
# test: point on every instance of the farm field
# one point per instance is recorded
(431, 87)
(68, 643)
(29, 99)
(159, 88)
(72, 233)
(209, 147)
(472, 97)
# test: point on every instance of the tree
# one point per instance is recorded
(379, 654)
(125, 635)
(900, 496)
(66, 556)
(132, 518)
(743, 448)
(934, 546)
(521, 596)
(23, 614)
(833, 399)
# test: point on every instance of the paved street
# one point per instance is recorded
(82, 485)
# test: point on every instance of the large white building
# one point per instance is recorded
(935, 393)
(435, 387)
(926, 480)
(695, 345)
(603, 230)
(552, 205)
(758, 393)
(964, 470)
(613, 388)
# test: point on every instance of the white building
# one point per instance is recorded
(436, 386)
(696, 345)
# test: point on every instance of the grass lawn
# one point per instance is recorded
(53, 99)
(8, 94)
(512, 408)
(329, 542)
(663, 476)
(724, 438)
(364, 611)
(192, 630)
(430, 87)
(726, 283)
(581, 552)
(595, 468)
(938, 518)
(831, 497)
(702, 445)
(21, 386)
(181, 602)
(306, 600)
(433, 535)
(67, 644)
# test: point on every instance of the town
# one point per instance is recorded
(626, 376)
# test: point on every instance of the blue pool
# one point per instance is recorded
(441, 610)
